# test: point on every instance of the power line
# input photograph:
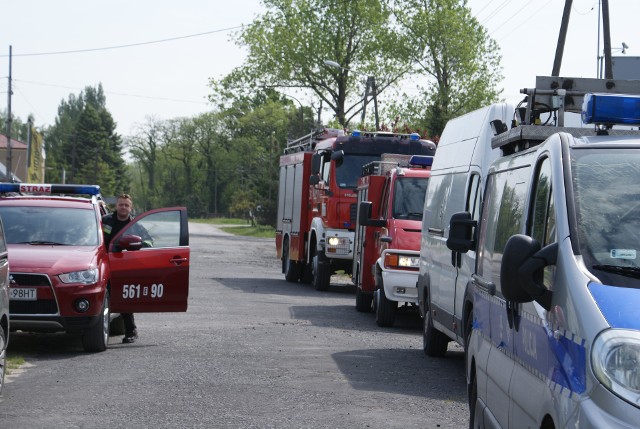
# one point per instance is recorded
(521, 23)
(114, 93)
(129, 45)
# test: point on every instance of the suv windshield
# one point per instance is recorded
(608, 211)
(50, 226)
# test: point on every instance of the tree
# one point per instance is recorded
(289, 44)
(83, 143)
(144, 146)
(453, 50)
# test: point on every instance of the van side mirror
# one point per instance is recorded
(461, 228)
(522, 270)
(364, 215)
(314, 179)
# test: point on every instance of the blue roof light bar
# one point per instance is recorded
(421, 161)
(47, 188)
(611, 109)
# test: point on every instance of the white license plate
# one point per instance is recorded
(23, 294)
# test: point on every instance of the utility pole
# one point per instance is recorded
(370, 89)
(9, 177)
(608, 67)
(561, 38)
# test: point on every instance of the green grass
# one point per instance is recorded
(260, 231)
(14, 362)
(239, 227)
(221, 221)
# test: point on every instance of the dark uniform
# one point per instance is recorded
(111, 225)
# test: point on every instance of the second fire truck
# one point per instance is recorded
(387, 243)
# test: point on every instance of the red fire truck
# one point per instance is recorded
(387, 241)
(317, 206)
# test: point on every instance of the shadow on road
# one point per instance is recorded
(397, 370)
(282, 287)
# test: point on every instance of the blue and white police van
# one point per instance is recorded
(554, 337)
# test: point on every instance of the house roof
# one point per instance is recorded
(15, 144)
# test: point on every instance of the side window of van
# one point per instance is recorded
(501, 218)
(473, 197)
(543, 225)
(435, 203)
(543, 222)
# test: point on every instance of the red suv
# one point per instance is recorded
(63, 278)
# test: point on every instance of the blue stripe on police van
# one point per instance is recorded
(619, 305)
(556, 357)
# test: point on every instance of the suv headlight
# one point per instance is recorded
(85, 277)
(615, 358)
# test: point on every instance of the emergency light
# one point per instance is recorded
(356, 133)
(611, 109)
(414, 136)
(46, 188)
(421, 161)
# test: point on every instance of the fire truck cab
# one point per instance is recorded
(387, 241)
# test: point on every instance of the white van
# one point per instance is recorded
(464, 155)
(555, 339)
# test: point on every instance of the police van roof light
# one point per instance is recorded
(46, 188)
(611, 109)
(356, 133)
(421, 160)
(414, 136)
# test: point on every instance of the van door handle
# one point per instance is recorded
(489, 287)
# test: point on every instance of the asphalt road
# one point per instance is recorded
(252, 351)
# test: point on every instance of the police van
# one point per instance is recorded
(555, 325)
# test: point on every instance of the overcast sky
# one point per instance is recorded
(169, 78)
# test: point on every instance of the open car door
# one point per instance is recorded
(150, 263)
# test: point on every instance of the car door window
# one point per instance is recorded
(157, 229)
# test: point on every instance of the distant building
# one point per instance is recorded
(18, 158)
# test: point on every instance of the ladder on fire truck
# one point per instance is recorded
(307, 143)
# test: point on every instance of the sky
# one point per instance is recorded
(174, 48)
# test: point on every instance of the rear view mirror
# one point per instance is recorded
(129, 243)
(364, 215)
(522, 270)
(316, 163)
(338, 157)
(461, 228)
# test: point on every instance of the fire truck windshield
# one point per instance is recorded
(408, 198)
(348, 173)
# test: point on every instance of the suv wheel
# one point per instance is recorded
(96, 338)
(3, 357)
